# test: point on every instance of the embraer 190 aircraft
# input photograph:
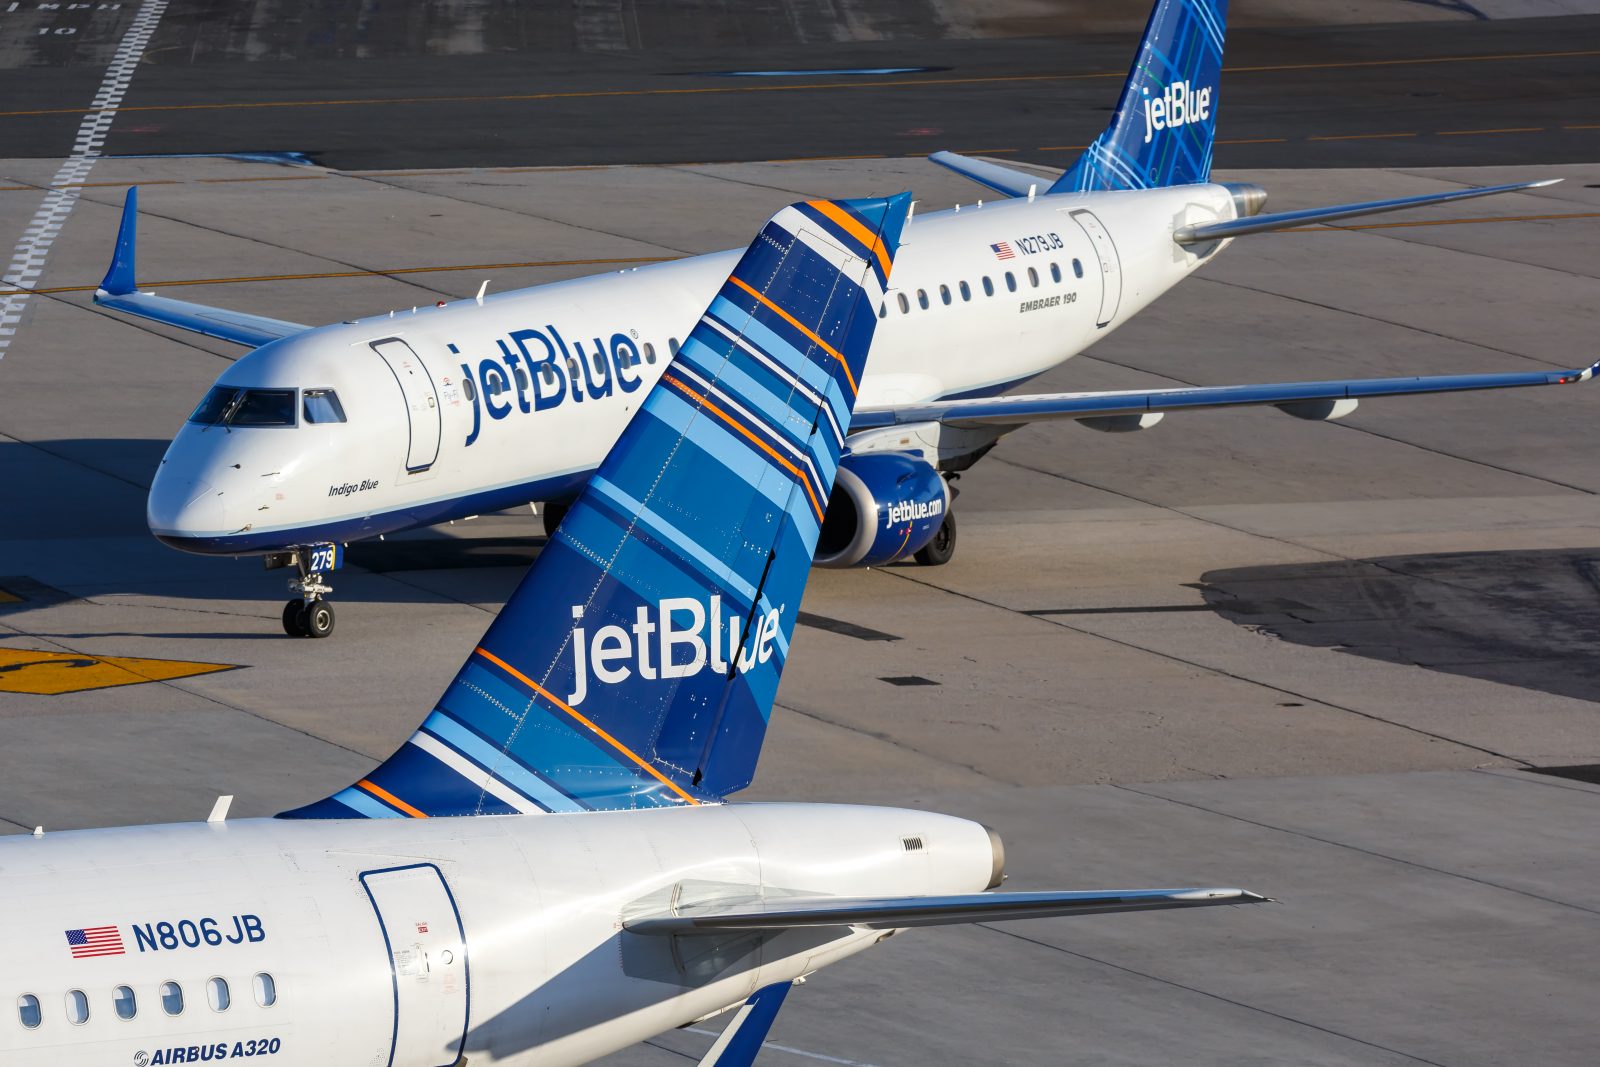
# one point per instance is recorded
(370, 426)
(547, 871)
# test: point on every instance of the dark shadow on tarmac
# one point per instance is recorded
(1529, 619)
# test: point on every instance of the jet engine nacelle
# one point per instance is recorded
(885, 506)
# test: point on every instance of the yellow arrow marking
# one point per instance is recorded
(53, 673)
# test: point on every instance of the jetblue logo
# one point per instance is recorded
(1179, 105)
(921, 509)
(539, 369)
(680, 637)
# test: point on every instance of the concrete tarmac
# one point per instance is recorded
(1320, 661)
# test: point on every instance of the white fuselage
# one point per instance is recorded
(473, 428)
(384, 942)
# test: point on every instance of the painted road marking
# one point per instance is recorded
(1328, 228)
(723, 90)
(27, 259)
(8, 597)
(23, 670)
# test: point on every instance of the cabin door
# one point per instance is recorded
(421, 399)
(1110, 265)
(427, 964)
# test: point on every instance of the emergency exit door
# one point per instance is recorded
(427, 951)
(421, 399)
(1110, 265)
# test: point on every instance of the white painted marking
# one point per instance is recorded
(786, 1048)
(28, 258)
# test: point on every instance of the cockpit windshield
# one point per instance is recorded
(230, 406)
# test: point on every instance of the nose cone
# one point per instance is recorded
(183, 509)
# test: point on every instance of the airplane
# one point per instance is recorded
(371, 426)
(549, 870)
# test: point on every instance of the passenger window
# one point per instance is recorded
(966, 291)
(172, 998)
(905, 305)
(1077, 268)
(1055, 273)
(547, 373)
(322, 405)
(470, 389)
(123, 1000)
(572, 367)
(1011, 282)
(883, 310)
(944, 293)
(922, 299)
(649, 352)
(522, 380)
(217, 994)
(1033, 277)
(672, 345)
(266, 990)
(988, 286)
(28, 1011)
(264, 407)
(493, 383)
(77, 1007)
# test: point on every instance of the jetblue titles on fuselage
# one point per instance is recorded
(537, 370)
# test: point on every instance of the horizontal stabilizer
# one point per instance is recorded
(1283, 220)
(894, 913)
(993, 175)
(119, 292)
(1011, 411)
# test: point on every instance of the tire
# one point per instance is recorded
(318, 619)
(553, 513)
(294, 616)
(942, 548)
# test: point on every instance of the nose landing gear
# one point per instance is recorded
(308, 615)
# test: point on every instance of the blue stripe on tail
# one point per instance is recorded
(1165, 122)
(637, 663)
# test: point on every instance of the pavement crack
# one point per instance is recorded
(891, 741)
(74, 462)
(1374, 853)
(1174, 984)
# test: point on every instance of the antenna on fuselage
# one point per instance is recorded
(484, 288)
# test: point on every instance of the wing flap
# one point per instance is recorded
(1012, 411)
(900, 912)
(1217, 231)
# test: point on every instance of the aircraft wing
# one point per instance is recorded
(899, 912)
(119, 292)
(1313, 400)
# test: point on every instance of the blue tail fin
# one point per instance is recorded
(636, 664)
(1162, 131)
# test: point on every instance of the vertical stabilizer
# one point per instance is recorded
(1163, 128)
(636, 664)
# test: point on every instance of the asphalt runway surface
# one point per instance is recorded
(1409, 94)
(1349, 665)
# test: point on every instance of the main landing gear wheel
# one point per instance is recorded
(939, 551)
(294, 618)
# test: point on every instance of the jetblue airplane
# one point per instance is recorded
(548, 871)
(370, 426)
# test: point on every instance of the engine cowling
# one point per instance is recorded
(885, 506)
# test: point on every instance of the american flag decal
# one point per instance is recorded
(95, 941)
(1003, 250)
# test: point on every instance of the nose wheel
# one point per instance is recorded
(308, 614)
(303, 618)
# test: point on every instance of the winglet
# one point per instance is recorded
(119, 276)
